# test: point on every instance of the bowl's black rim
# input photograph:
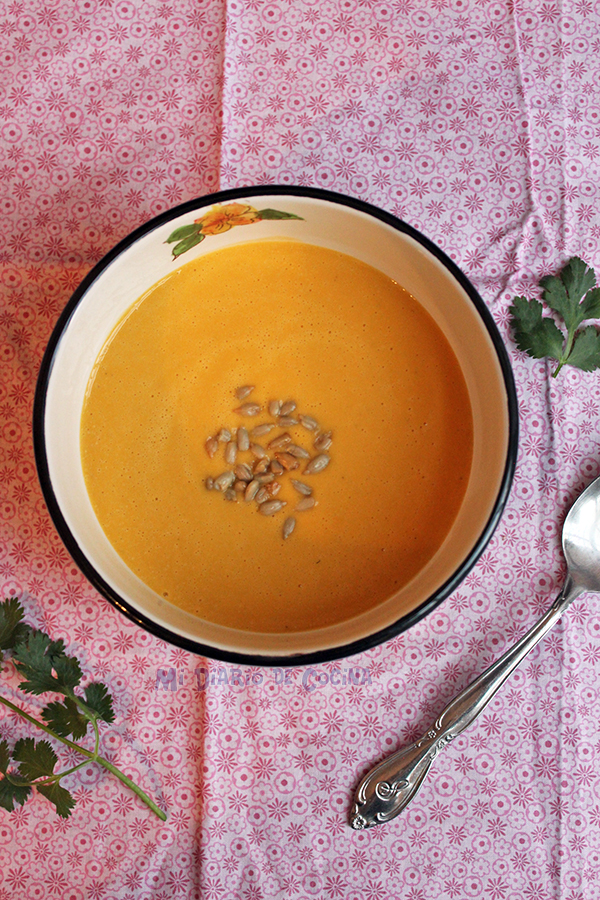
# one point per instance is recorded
(216, 653)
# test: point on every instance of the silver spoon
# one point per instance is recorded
(390, 786)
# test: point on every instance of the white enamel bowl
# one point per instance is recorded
(329, 220)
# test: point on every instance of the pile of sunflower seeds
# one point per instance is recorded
(257, 460)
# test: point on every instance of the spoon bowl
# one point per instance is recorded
(390, 786)
(581, 540)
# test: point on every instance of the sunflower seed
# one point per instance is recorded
(258, 451)
(261, 466)
(323, 441)
(288, 461)
(224, 481)
(211, 446)
(298, 452)
(261, 430)
(257, 480)
(288, 527)
(317, 464)
(280, 441)
(251, 491)
(244, 391)
(302, 488)
(270, 507)
(248, 409)
(305, 503)
(309, 423)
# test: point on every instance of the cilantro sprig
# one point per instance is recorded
(44, 667)
(574, 298)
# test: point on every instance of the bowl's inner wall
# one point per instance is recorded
(338, 227)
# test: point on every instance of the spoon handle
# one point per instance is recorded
(391, 785)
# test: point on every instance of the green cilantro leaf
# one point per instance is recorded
(33, 660)
(65, 718)
(573, 296)
(36, 760)
(59, 796)
(563, 293)
(537, 335)
(555, 295)
(13, 791)
(578, 278)
(586, 350)
(14, 788)
(68, 671)
(12, 628)
(38, 658)
(99, 701)
(591, 304)
(4, 757)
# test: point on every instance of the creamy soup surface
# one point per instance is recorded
(356, 352)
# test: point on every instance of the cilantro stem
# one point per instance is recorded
(20, 783)
(47, 779)
(97, 735)
(38, 724)
(133, 786)
(566, 352)
(93, 756)
(58, 775)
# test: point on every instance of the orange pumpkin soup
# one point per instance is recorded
(358, 354)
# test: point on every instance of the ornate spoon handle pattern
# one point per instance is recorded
(390, 786)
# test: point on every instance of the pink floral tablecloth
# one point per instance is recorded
(478, 123)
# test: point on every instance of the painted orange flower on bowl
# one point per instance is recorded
(217, 220)
(223, 217)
